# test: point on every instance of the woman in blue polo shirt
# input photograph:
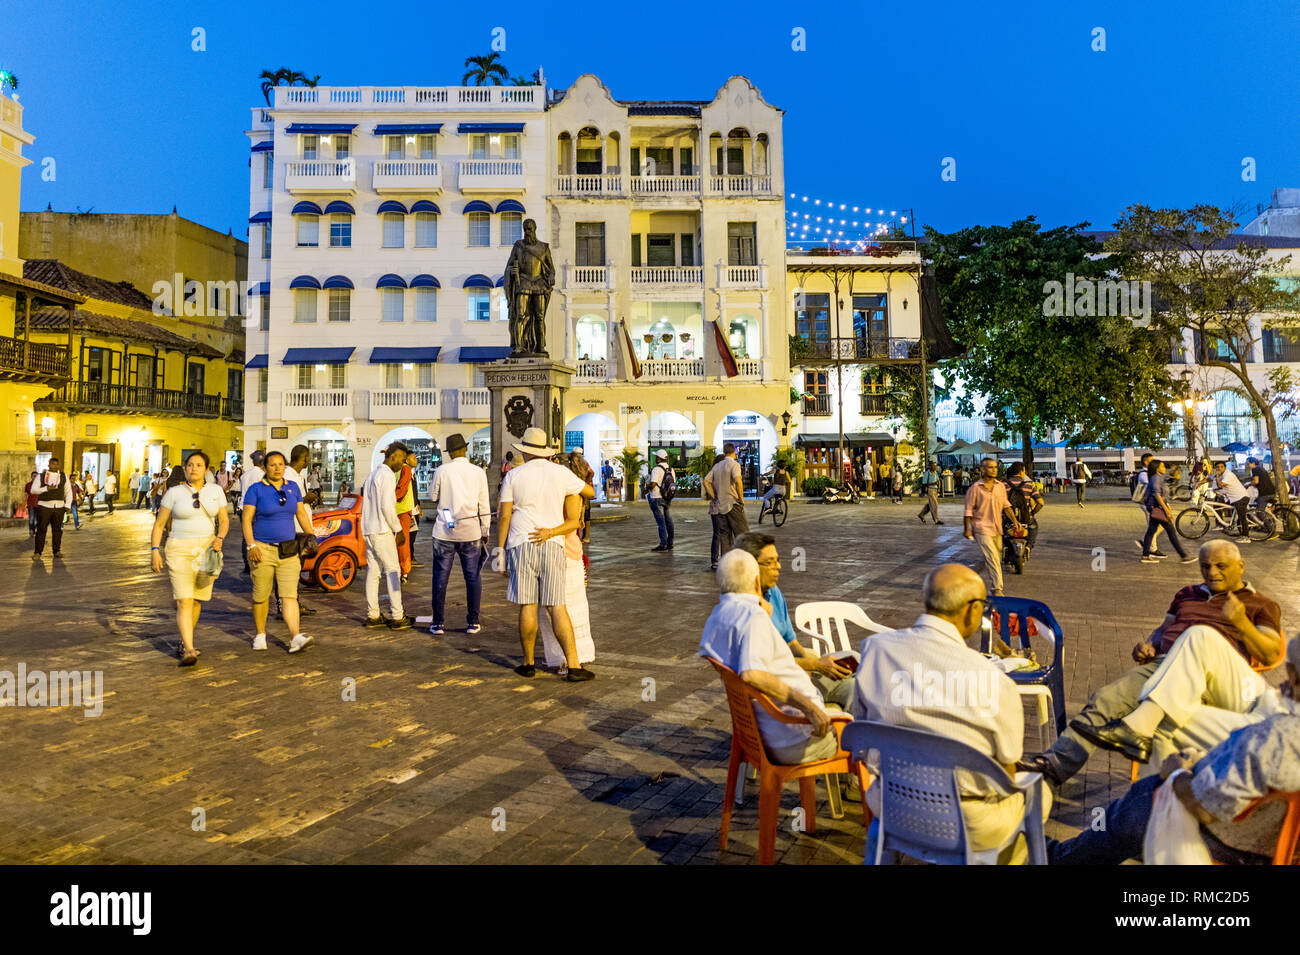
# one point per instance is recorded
(272, 507)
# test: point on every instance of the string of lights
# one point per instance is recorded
(821, 223)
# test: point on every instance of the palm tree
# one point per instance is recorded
(284, 77)
(8, 79)
(524, 80)
(485, 69)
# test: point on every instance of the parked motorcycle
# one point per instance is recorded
(834, 493)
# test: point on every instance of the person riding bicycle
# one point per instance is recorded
(1262, 481)
(1226, 484)
(780, 484)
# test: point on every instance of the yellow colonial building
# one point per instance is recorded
(140, 394)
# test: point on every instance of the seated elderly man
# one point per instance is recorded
(739, 634)
(833, 681)
(1225, 608)
(1251, 762)
(927, 678)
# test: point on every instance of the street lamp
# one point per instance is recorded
(785, 423)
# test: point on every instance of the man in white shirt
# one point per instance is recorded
(54, 498)
(927, 678)
(1227, 484)
(110, 489)
(658, 506)
(463, 518)
(540, 503)
(383, 534)
(740, 635)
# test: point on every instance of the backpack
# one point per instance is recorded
(1138, 488)
(668, 487)
(1019, 501)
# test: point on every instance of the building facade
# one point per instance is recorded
(381, 220)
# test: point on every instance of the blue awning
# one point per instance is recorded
(477, 205)
(391, 205)
(320, 128)
(306, 208)
(501, 282)
(338, 281)
(265, 147)
(260, 217)
(425, 281)
(304, 281)
(424, 205)
(397, 129)
(483, 353)
(390, 281)
(477, 281)
(390, 356)
(338, 205)
(510, 205)
(490, 128)
(257, 361)
(261, 288)
(318, 356)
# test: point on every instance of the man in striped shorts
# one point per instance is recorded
(540, 503)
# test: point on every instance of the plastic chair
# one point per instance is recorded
(1051, 676)
(747, 747)
(1289, 835)
(823, 622)
(920, 804)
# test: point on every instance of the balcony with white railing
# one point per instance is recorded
(490, 175)
(404, 404)
(672, 275)
(588, 276)
(321, 175)
(412, 98)
(750, 368)
(407, 175)
(673, 369)
(581, 186)
(742, 276)
(316, 404)
(741, 185)
(475, 404)
(595, 370)
(659, 187)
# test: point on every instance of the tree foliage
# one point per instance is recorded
(284, 77)
(1098, 377)
(485, 70)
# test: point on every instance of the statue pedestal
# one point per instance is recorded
(526, 393)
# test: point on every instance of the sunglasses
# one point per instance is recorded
(196, 500)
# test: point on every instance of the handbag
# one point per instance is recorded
(1158, 513)
(209, 561)
(1173, 835)
(288, 548)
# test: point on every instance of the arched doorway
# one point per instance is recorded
(480, 448)
(426, 449)
(755, 439)
(601, 442)
(332, 451)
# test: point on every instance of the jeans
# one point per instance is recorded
(725, 529)
(1241, 507)
(76, 518)
(1152, 525)
(444, 553)
(31, 518)
(664, 518)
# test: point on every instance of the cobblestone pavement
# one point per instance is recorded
(446, 755)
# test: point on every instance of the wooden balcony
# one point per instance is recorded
(817, 406)
(133, 399)
(35, 362)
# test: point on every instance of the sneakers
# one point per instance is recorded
(1189, 559)
(437, 629)
(1148, 559)
(1158, 555)
(374, 623)
(474, 628)
(526, 670)
(300, 643)
(401, 623)
(580, 675)
(259, 642)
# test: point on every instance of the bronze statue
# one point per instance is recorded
(530, 277)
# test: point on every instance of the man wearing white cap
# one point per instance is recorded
(659, 494)
(541, 502)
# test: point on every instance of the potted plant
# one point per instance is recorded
(633, 464)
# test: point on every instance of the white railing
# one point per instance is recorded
(320, 174)
(401, 404)
(743, 276)
(407, 174)
(588, 276)
(262, 116)
(749, 367)
(490, 174)
(588, 185)
(673, 369)
(411, 97)
(667, 275)
(595, 370)
(316, 404)
(474, 403)
(665, 185)
(747, 184)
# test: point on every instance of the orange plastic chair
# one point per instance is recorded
(747, 747)
(1289, 835)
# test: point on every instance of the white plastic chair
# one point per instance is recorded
(823, 622)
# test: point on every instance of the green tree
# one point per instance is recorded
(284, 77)
(485, 70)
(1099, 377)
(8, 79)
(1224, 291)
(633, 464)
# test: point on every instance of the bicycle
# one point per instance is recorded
(1206, 514)
(1288, 520)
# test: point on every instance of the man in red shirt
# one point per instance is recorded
(986, 503)
(32, 500)
(1225, 604)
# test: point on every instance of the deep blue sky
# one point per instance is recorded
(1038, 122)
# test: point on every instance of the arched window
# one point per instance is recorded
(592, 342)
(664, 342)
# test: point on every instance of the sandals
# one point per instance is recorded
(189, 658)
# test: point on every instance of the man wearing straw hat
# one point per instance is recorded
(540, 502)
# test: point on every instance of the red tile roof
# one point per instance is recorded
(54, 273)
(56, 320)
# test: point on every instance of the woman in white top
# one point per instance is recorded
(191, 507)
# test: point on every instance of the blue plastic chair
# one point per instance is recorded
(1052, 675)
(920, 805)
